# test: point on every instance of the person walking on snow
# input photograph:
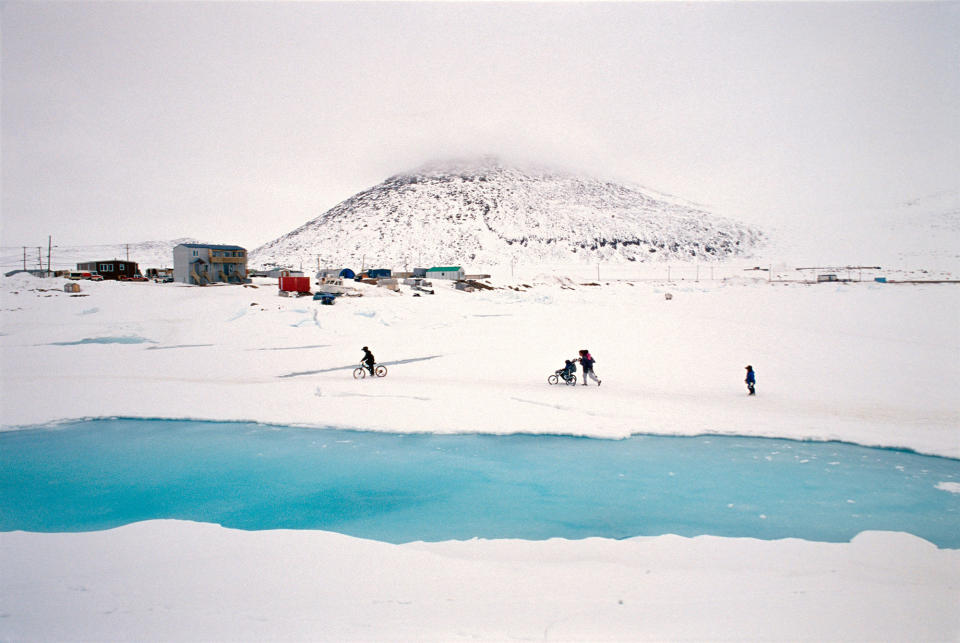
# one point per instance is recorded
(368, 359)
(587, 362)
(751, 381)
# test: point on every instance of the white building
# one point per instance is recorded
(276, 273)
(454, 273)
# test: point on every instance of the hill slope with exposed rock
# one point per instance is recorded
(489, 213)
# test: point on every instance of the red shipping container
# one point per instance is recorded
(295, 284)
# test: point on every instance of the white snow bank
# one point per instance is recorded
(170, 581)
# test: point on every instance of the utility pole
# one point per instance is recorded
(128, 252)
(24, 257)
(39, 259)
(49, 248)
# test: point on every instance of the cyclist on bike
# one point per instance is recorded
(368, 359)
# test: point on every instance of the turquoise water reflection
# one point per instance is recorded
(399, 487)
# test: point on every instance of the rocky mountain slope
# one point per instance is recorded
(489, 213)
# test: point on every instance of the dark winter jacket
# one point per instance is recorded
(368, 358)
(751, 377)
(587, 362)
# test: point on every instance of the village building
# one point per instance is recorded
(335, 273)
(454, 273)
(159, 273)
(276, 273)
(111, 268)
(36, 273)
(201, 264)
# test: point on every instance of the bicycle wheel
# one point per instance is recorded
(359, 373)
(553, 379)
(572, 381)
(380, 370)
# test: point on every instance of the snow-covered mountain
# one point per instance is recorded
(485, 212)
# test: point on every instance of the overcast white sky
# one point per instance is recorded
(236, 122)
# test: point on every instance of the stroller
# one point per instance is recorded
(567, 374)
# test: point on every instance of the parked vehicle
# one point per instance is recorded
(325, 298)
(332, 285)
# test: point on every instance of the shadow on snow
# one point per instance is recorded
(350, 367)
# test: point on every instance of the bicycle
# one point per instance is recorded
(561, 375)
(361, 371)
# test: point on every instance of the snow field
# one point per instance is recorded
(864, 363)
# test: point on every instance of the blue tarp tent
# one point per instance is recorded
(346, 273)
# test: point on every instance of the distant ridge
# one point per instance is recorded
(485, 212)
(147, 254)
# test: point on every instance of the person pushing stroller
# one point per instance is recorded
(587, 362)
